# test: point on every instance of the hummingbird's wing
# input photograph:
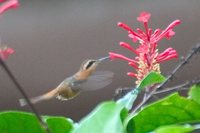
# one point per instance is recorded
(97, 80)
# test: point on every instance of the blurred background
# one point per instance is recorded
(52, 39)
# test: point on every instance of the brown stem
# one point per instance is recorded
(183, 86)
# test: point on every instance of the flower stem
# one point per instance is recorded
(21, 90)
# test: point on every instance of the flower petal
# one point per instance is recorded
(126, 27)
(128, 46)
(144, 17)
(168, 54)
(119, 56)
(167, 30)
(7, 5)
(5, 53)
(133, 65)
(2, 0)
(132, 74)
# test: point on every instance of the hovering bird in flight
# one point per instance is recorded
(87, 78)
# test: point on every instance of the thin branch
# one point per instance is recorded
(183, 86)
(169, 77)
(21, 90)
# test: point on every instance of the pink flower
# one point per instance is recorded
(5, 52)
(147, 56)
(7, 5)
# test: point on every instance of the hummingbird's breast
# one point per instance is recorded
(68, 89)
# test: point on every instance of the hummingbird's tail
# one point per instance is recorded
(34, 100)
(37, 99)
(22, 102)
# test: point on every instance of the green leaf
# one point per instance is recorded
(128, 100)
(175, 129)
(22, 122)
(194, 93)
(19, 122)
(59, 124)
(105, 118)
(151, 78)
(170, 110)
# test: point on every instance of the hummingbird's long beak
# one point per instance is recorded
(103, 58)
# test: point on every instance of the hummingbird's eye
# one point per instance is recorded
(88, 64)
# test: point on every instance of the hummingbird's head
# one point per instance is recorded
(90, 65)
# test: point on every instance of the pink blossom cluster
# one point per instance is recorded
(147, 57)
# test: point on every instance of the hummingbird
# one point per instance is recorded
(87, 78)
